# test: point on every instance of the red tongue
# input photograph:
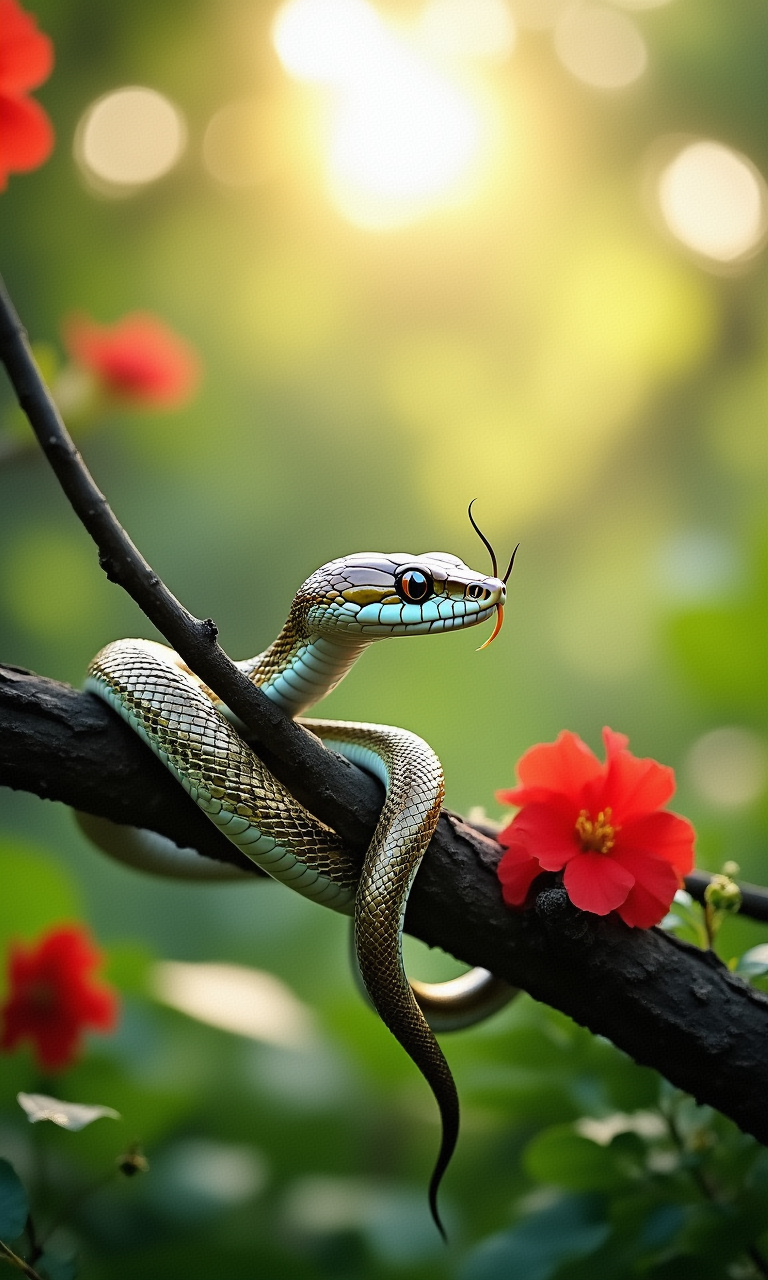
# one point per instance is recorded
(496, 629)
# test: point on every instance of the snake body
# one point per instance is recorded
(338, 612)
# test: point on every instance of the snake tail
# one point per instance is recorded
(413, 777)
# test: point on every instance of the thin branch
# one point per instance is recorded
(13, 1260)
(297, 758)
(754, 898)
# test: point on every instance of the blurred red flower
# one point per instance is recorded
(26, 59)
(603, 825)
(53, 997)
(138, 360)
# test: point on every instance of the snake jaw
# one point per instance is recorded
(496, 629)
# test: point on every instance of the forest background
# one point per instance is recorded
(561, 311)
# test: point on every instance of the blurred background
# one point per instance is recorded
(426, 251)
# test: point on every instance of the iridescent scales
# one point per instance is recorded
(336, 614)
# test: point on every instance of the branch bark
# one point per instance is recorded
(663, 1002)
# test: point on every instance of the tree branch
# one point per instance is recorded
(663, 1002)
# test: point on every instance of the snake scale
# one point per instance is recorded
(337, 613)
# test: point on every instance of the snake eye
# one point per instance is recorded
(476, 591)
(413, 586)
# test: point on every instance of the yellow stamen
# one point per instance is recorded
(496, 629)
(598, 835)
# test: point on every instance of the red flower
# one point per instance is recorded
(137, 360)
(26, 59)
(53, 996)
(603, 823)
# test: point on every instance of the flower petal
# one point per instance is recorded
(564, 766)
(53, 996)
(656, 881)
(26, 136)
(139, 359)
(595, 882)
(613, 743)
(662, 835)
(643, 908)
(633, 786)
(516, 871)
(545, 832)
(26, 55)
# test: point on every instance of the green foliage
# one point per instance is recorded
(572, 1227)
(13, 1203)
(722, 647)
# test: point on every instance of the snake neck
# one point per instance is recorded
(299, 667)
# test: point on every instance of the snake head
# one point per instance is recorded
(370, 595)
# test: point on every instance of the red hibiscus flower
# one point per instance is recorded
(138, 360)
(26, 59)
(53, 997)
(603, 825)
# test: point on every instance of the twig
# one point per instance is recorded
(337, 793)
(14, 1260)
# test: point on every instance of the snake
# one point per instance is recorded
(338, 612)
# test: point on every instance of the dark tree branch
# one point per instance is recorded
(663, 1002)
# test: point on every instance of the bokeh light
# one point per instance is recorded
(402, 137)
(401, 146)
(728, 767)
(713, 200)
(332, 42)
(467, 28)
(129, 138)
(247, 1002)
(538, 15)
(697, 565)
(599, 46)
(234, 150)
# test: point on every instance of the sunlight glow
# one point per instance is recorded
(128, 138)
(714, 201)
(404, 138)
(328, 41)
(600, 46)
(467, 28)
(538, 15)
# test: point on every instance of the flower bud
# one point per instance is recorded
(723, 894)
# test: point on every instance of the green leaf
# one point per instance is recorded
(13, 1203)
(754, 962)
(67, 1115)
(54, 1266)
(566, 1159)
(535, 1248)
